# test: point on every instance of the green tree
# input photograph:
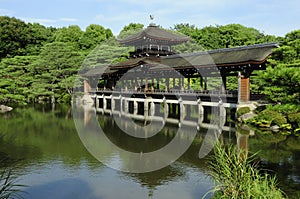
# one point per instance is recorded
(94, 35)
(231, 35)
(71, 34)
(106, 53)
(19, 38)
(130, 29)
(14, 36)
(281, 80)
(16, 79)
(39, 36)
(55, 70)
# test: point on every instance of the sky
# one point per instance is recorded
(274, 17)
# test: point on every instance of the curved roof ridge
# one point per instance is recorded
(154, 32)
(238, 48)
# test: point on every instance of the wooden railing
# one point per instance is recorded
(171, 91)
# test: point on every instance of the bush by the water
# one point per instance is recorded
(243, 110)
(294, 118)
(236, 177)
(284, 117)
(284, 108)
(268, 118)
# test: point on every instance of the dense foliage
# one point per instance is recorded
(236, 176)
(281, 80)
(41, 63)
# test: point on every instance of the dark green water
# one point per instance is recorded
(42, 146)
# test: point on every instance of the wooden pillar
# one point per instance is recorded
(86, 86)
(141, 84)
(201, 83)
(146, 85)
(104, 103)
(152, 108)
(135, 107)
(166, 109)
(126, 106)
(121, 104)
(223, 74)
(181, 110)
(167, 83)
(189, 83)
(200, 113)
(112, 103)
(244, 88)
(174, 83)
(146, 109)
(97, 101)
(180, 82)
(157, 84)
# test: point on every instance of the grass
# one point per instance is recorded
(237, 177)
(8, 186)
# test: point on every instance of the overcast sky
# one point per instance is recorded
(275, 17)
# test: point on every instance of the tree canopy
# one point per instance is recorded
(41, 63)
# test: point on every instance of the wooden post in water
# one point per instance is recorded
(152, 109)
(181, 110)
(104, 102)
(243, 88)
(200, 113)
(126, 107)
(135, 107)
(146, 109)
(166, 109)
(113, 103)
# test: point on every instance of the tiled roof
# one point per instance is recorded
(155, 33)
(238, 56)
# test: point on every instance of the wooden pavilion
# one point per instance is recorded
(154, 68)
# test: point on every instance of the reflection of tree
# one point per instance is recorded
(38, 133)
(270, 146)
(293, 143)
(279, 154)
(154, 179)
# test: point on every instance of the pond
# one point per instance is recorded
(44, 149)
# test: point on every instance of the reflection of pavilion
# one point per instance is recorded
(153, 180)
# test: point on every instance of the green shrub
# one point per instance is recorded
(284, 108)
(274, 117)
(65, 99)
(236, 177)
(294, 118)
(243, 110)
(260, 109)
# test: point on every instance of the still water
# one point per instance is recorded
(42, 146)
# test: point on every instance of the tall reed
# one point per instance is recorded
(8, 186)
(237, 177)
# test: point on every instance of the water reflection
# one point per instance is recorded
(42, 146)
(48, 155)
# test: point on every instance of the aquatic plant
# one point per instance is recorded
(8, 186)
(236, 176)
